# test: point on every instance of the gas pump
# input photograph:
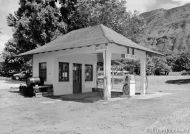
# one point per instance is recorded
(129, 85)
(122, 80)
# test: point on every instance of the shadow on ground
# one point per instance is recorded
(17, 92)
(83, 98)
(10, 81)
(89, 97)
(178, 81)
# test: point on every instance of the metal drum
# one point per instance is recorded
(34, 81)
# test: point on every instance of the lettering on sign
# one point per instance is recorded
(129, 56)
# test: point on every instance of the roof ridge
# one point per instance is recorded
(93, 35)
(104, 34)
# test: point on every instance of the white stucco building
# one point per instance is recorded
(69, 62)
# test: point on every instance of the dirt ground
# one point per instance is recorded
(164, 110)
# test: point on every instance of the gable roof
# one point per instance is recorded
(89, 36)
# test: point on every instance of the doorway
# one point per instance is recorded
(77, 78)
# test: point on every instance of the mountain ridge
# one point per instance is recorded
(168, 30)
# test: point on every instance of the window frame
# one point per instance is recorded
(64, 79)
(90, 73)
(128, 51)
(41, 71)
(133, 51)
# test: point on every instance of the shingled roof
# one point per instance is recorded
(89, 36)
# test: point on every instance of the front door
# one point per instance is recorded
(77, 78)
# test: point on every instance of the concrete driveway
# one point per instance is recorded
(166, 109)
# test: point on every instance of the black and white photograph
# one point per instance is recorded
(94, 66)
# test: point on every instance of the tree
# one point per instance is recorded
(161, 66)
(157, 65)
(150, 66)
(37, 22)
(182, 62)
(112, 13)
(171, 59)
(11, 61)
(179, 61)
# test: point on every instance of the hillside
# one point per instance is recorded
(168, 30)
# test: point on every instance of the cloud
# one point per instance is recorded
(139, 5)
(182, 2)
(163, 4)
(186, 1)
(3, 39)
(148, 5)
(6, 7)
(9, 6)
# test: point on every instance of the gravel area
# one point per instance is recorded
(164, 110)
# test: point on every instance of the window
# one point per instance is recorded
(43, 70)
(127, 50)
(63, 71)
(133, 51)
(88, 73)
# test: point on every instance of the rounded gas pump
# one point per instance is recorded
(129, 85)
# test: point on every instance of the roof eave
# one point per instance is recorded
(151, 51)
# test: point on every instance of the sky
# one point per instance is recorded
(9, 6)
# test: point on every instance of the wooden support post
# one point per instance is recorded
(143, 74)
(107, 74)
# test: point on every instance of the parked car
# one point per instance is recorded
(21, 75)
(161, 72)
(9, 73)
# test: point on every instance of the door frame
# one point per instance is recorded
(80, 86)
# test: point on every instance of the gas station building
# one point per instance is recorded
(70, 61)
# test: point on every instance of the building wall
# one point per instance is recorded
(53, 59)
(73, 56)
(118, 50)
(49, 59)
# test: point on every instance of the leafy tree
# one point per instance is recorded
(37, 22)
(179, 61)
(111, 13)
(13, 63)
(161, 65)
(171, 59)
(150, 66)
(182, 62)
(157, 65)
